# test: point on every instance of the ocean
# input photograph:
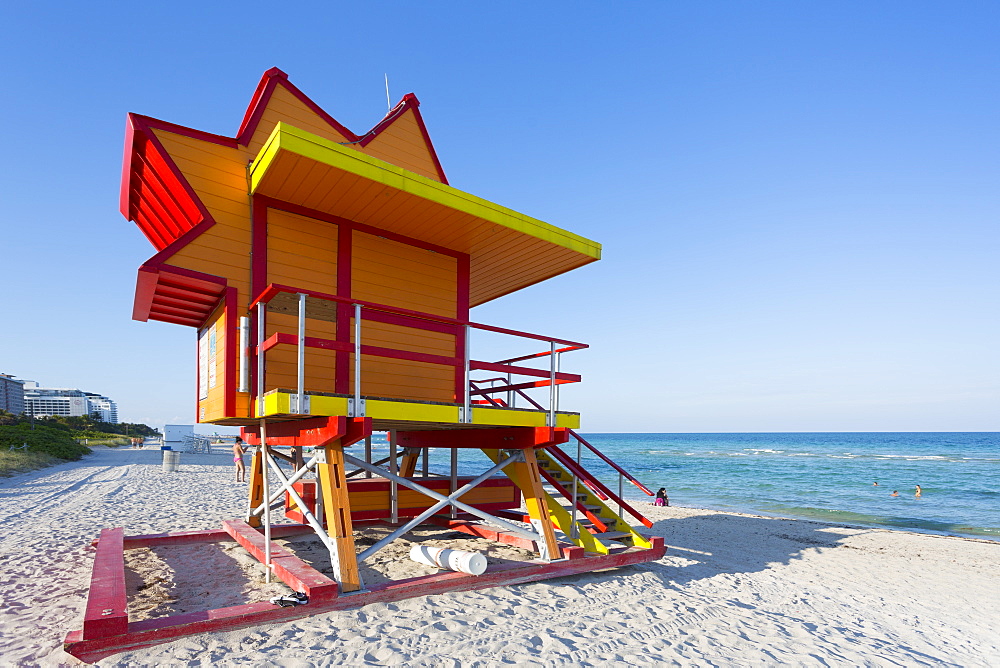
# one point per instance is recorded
(822, 476)
(816, 476)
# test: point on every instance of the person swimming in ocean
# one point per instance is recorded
(875, 484)
(918, 492)
(895, 492)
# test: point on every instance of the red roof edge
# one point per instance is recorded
(125, 188)
(265, 89)
(143, 125)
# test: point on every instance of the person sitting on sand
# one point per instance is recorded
(661, 498)
(238, 450)
(895, 492)
(919, 492)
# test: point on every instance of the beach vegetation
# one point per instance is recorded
(43, 438)
(28, 443)
(13, 462)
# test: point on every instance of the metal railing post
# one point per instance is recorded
(552, 386)
(300, 406)
(467, 410)
(357, 360)
(621, 490)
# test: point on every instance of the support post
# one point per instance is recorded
(265, 456)
(337, 507)
(408, 467)
(426, 456)
(525, 475)
(368, 454)
(255, 488)
(393, 486)
(454, 478)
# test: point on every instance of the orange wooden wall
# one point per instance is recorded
(302, 252)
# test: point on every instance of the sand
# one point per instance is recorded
(732, 590)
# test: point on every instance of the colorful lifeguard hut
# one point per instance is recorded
(330, 277)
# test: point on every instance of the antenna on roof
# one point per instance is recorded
(388, 103)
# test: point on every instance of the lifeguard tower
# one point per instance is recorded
(330, 277)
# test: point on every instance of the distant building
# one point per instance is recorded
(11, 394)
(65, 401)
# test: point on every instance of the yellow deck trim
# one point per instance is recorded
(279, 403)
(399, 410)
(294, 140)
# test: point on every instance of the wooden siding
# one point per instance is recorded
(301, 252)
(218, 176)
(397, 274)
(283, 106)
(403, 144)
(390, 272)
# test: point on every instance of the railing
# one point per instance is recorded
(359, 310)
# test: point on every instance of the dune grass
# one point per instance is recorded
(18, 461)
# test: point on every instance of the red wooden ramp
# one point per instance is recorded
(106, 629)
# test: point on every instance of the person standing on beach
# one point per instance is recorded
(238, 450)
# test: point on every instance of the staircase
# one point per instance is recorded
(595, 526)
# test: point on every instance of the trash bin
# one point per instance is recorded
(171, 459)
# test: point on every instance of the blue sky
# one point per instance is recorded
(798, 201)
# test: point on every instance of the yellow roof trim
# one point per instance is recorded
(294, 140)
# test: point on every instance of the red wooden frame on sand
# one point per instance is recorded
(106, 629)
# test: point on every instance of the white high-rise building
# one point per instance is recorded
(65, 401)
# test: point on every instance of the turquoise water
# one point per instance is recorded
(823, 476)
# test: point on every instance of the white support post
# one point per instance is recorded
(266, 464)
(393, 485)
(454, 478)
(300, 405)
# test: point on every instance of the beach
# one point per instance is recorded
(733, 589)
